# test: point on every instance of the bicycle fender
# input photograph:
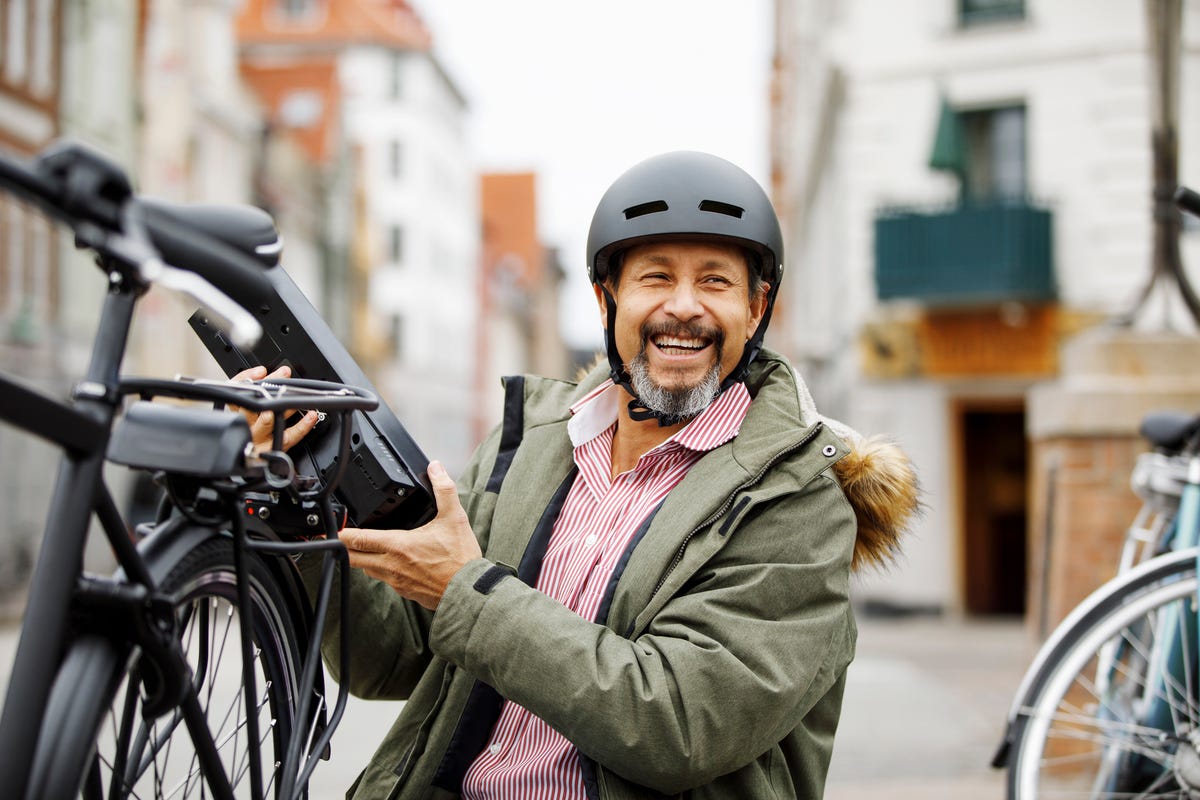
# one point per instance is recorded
(169, 542)
(165, 544)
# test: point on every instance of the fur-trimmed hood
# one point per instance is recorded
(881, 484)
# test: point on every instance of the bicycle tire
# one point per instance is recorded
(1124, 733)
(95, 705)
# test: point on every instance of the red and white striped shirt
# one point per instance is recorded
(526, 758)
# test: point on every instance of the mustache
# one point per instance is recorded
(682, 330)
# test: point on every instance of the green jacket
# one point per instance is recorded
(718, 668)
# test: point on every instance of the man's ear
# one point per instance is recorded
(758, 306)
(602, 303)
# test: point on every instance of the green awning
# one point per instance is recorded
(949, 143)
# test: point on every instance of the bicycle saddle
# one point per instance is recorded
(1169, 430)
(247, 228)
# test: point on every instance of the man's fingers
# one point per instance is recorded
(363, 541)
(445, 493)
(251, 374)
(260, 372)
(299, 429)
(262, 425)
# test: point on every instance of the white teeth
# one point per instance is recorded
(669, 341)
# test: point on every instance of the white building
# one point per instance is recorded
(1053, 102)
(406, 117)
(416, 217)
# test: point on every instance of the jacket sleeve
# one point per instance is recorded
(729, 666)
(388, 636)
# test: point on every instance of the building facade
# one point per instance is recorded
(413, 216)
(519, 283)
(973, 182)
(155, 86)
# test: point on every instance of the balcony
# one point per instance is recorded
(980, 253)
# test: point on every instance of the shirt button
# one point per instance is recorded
(494, 749)
(590, 540)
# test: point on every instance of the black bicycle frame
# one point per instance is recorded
(83, 430)
(131, 609)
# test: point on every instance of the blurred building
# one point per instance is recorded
(50, 295)
(415, 230)
(198, 142)
(334, 116)
(519, 284)
(155, 86)
(965, 187)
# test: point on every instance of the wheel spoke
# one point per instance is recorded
(1117, 701)
(138, 759)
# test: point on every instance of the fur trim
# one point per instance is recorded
(598, 358)
(881, 484)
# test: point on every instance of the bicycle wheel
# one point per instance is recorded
(103, 747)
(1116, 715)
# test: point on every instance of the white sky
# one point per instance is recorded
(580, 90)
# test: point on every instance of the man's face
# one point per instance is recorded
(684, 309)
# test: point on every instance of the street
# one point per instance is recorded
(925, 707)
(924, 711)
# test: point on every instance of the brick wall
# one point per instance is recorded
(1075, 544)
(1083, 437)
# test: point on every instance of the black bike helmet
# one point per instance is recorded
(685, 195)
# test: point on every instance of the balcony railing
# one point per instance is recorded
(980, 253)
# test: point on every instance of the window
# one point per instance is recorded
(395, 243)
(297, 9)
(395, 160)
(984, 12)
(994, 163)
(301, 108)
(397, 335)
(396, 86)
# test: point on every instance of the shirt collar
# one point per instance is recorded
(597, 411)
(594, 414)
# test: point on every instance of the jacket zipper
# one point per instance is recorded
(729, 501)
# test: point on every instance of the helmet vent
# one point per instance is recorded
(717, 207)
(642, 209)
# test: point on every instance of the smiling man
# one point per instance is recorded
(695, 300)
(685, 312)
(639, 587)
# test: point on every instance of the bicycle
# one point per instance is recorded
(1110, 706)
(195, 668)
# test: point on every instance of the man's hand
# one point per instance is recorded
(262, 426)
(419, 563)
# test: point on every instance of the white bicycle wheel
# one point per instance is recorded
(1117, 715)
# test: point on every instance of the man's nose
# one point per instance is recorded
(683, 304)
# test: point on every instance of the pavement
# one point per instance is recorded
(926, 699)
(924, 710)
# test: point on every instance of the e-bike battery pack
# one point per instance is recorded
(385, 485)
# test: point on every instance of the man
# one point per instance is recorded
(639, 587)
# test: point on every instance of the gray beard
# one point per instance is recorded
(676, 405)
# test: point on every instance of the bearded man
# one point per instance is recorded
(640, 586)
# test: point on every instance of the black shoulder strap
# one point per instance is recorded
(483, 706)
(512, 430)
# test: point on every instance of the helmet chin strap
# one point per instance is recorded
(620, 376)
(618, 373)
(753, 345)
